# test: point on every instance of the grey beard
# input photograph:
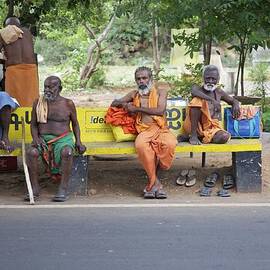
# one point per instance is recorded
(49, 97)
(210, 87)
(146, 90)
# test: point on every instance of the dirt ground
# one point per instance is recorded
(122, 179)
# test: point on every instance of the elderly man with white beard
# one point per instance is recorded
(51, 117)
(202, 123)
(155, 144)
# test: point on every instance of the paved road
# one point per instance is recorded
(138, 238)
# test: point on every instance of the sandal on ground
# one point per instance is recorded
(205, 192)
(27, 198)
(211, 180)
(160, 193)
(182, 178)
(61, 196)
(191, 178)
(223, 193)
(228, 181)
(151, 194)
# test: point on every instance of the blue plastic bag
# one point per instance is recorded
(245, 128)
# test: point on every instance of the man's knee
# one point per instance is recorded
(221, 137)
(32, 152)
(139, 144)
(66, 152)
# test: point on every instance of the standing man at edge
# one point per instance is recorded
(21, 76)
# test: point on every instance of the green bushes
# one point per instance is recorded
(259, 75)
(181, 86)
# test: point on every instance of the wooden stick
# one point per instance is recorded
(26, 172)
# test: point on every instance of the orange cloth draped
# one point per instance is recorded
(152, 103)
(247, 112)
(208, 127)
(155, 146)
(22, 83)
(120, 117)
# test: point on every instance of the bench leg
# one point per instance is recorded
(203, 159)
(247, 168)
(78, 180)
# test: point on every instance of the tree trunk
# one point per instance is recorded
(92, 60)
(208, 51)
(156, 50)
(10, 8)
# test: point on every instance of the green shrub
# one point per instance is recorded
(98, 78)
(259, 75)
(181, 86)
(53, 52)
(266, 120)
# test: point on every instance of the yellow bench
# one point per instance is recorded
(98, 137)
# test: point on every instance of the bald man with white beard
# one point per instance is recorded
(202, 123)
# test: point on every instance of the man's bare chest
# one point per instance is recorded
(145, 101)
(58, 113)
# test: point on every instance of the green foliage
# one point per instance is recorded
(3, 12)
(70, 81)
(182, 86)
(129, 35)
(54, 52)
(97, 79)
(266, 119)
(259, 75)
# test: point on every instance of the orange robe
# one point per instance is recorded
(155, 144)
(208, 127)
(22, 83)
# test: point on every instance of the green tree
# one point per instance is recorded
(248, 22)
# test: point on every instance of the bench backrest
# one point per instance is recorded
(92, 123)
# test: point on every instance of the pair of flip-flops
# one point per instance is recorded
(187, 178)
(228, 180)
(207, 191)
(156, 192)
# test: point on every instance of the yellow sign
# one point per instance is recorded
(92, 123)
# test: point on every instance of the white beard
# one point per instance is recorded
(146, 90)
(210, 87)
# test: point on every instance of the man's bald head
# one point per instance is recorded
(13, 20)
(52, 88)
(210, 68)
(55, 80)
(210, 77)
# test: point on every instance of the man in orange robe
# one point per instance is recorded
(204, 111)
(155, 144)
(21, 76)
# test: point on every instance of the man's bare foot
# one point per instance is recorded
(182, 138)
(194, 140)
(5, 145)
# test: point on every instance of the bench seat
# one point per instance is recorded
(124, 148)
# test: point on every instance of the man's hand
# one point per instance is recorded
(235, 110)
(131, 108)
(37, 142)
(80, 148)
(117, 103)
